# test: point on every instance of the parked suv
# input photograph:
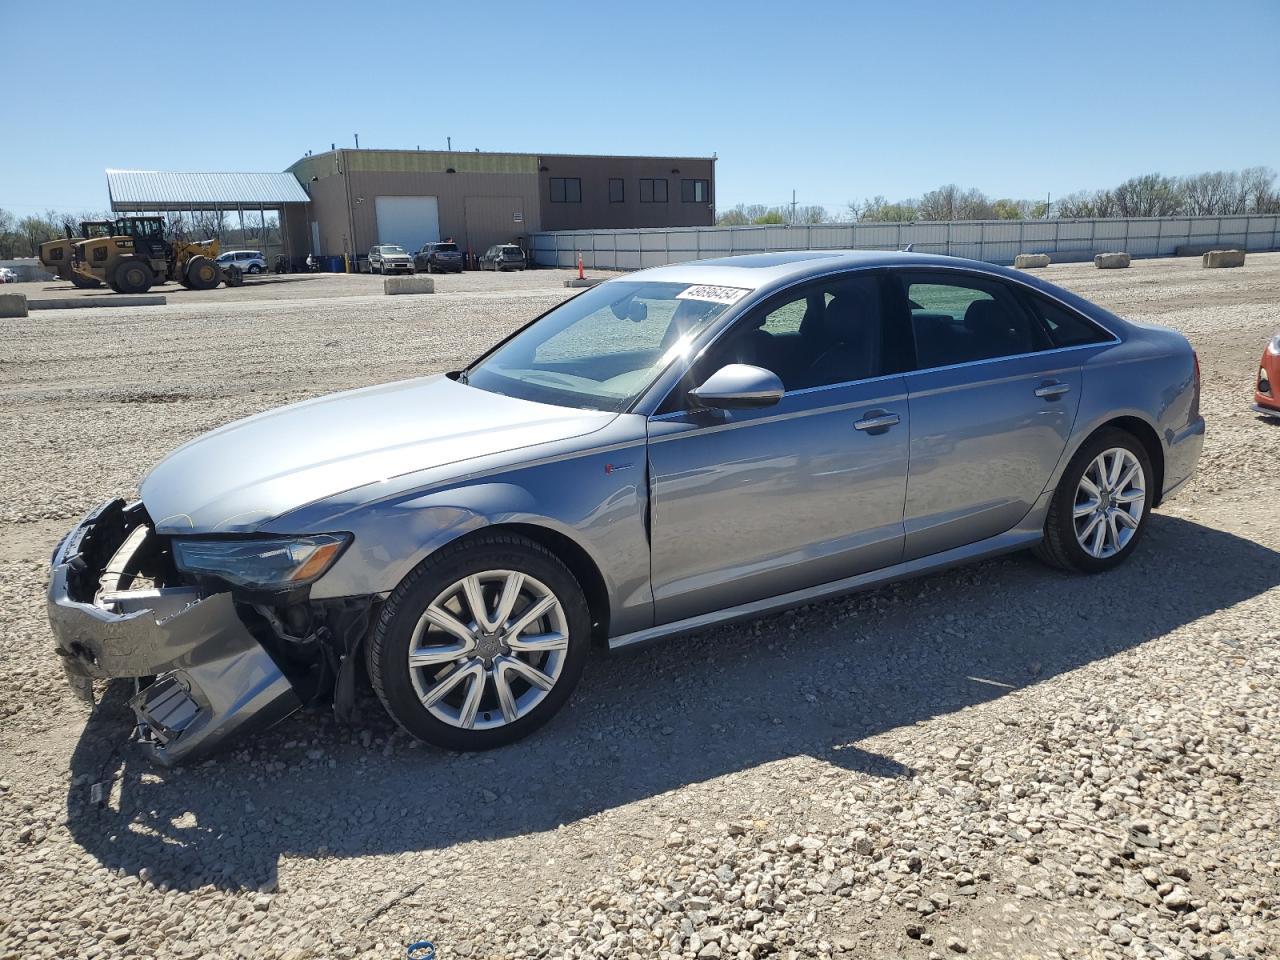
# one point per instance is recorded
(389, 258)
(249, 261)
(503, 256)
(440, 257)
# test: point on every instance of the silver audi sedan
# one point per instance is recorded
(672, 449)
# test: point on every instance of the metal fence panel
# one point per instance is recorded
(997, 241)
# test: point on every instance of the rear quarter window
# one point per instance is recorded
(1064, 326)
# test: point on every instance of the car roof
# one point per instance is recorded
(755, 270)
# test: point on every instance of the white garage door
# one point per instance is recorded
(408, 221)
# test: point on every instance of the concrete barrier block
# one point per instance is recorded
(1024, 260)
(1111, 261)
(13, 304)
(411, 284)
(1222, 258)
(583, 282)
(99, 300)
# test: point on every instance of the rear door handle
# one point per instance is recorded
(1052, 389)
(877, 420)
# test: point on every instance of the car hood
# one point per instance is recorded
(239, 476)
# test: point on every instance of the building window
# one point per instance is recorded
(616, 192)
(653, 191)
(695, 191)
(566, 190)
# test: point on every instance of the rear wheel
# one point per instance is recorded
(254, 268)
(1100, 508)
(202, 273)
(481, 644)
(84, 283)
(133, 275)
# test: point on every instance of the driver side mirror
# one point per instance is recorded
(739, 386)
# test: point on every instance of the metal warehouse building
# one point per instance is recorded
(409, 197)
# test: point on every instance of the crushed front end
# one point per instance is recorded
(210, 660)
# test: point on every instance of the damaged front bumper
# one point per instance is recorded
(212, 678)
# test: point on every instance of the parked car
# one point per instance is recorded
(1266, 398)
(672, 449)
(441, 257)
(249, 261)
(389, 258)
(503, 256)
(8, 276)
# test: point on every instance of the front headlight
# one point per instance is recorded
(266, 564)
(1273, 347)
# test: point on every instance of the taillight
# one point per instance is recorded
(1195, 393)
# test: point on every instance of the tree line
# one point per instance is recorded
(1220, 193)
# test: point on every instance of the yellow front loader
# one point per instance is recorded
(137, 255)
(55, 255)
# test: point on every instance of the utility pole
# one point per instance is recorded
(1047, 204)
(357, 141)
(449, 141)
(793, 207)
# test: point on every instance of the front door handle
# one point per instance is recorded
(1052, 389)
(877, 420)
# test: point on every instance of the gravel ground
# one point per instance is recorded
(999, 761)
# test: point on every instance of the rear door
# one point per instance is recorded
(992, 406)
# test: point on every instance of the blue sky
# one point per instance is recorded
(834, 100)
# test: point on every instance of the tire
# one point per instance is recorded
(254, 268)
(133, 275)
(202, 273)
(488, 559)
(83, 283)
(1071, 542)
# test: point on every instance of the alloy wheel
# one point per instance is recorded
(488, 649)
(1109, 503)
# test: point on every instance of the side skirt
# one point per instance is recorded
(1017, 539)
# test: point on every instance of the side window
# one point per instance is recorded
(822, 334)
(963, 319)
(1065, 328)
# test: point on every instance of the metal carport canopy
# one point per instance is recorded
(133, 190)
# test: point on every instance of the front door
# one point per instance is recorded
(750, 504)
(992, 407)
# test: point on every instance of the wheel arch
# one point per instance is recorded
(574, 556)
(1150, 440)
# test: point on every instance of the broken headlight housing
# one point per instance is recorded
(276, 563)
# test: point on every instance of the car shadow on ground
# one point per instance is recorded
(813, 682)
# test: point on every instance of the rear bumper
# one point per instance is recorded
(1181, 457)
(212, 677)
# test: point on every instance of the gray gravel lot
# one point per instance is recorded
(998, 761)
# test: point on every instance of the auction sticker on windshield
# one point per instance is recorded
(705, 291)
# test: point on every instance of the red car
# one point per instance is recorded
(1266, 400)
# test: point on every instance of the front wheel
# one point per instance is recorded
(1100, 509)
(481, 644)
(254, 268)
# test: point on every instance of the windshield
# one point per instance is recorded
(446, 248)
(604, 348)
(393, 250)
(512, 252)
